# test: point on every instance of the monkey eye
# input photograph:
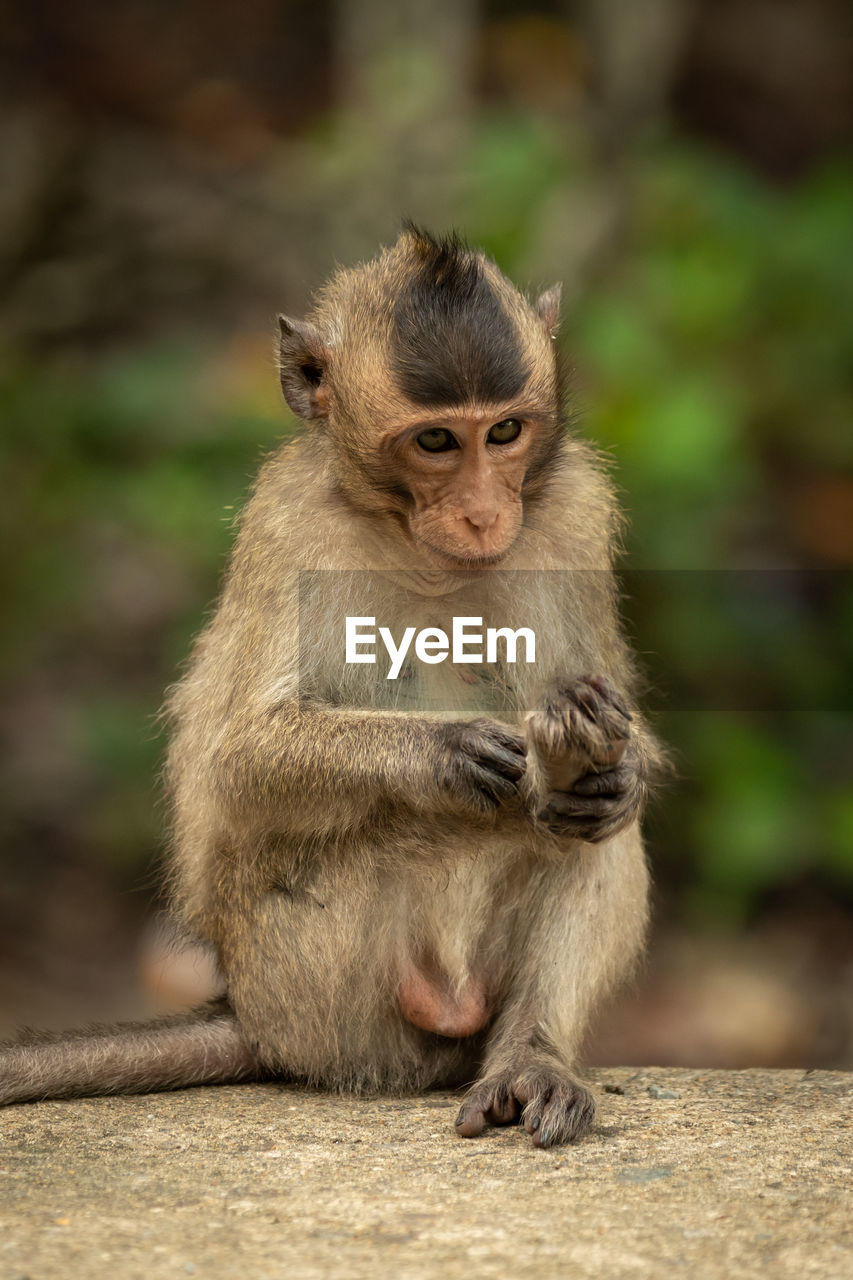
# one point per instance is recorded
(504, 432)
(437, 440)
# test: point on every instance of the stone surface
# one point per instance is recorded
(700, 1173)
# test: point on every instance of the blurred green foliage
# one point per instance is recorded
(720, 361)
(722, 348)
(122, 477)
(712, 351)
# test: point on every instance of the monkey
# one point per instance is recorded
(429, 881)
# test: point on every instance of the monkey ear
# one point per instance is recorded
(302, 357)
(547, 308)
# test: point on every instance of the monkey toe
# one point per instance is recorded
(607, 690)
(505, 1109)
(471, 1121)
(560, 1111)
(491, 1102)
(553, 1108)
(603, 719)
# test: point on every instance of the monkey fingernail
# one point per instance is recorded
(536, 1124)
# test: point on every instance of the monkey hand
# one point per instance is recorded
(481, 763)
(585, 780)
(548, 1101)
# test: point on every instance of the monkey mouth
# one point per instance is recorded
(461, 559)
(472, 560)
(484, 561)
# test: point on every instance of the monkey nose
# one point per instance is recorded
(481, 521)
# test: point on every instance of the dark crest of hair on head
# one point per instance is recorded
(453, 341)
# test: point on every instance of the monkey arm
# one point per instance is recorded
(315, 768)
(321, 766)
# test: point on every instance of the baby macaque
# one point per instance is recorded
(428, 878)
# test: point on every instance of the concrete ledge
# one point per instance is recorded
(701, 1173)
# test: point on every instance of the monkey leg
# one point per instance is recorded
(579, 926)
(201, 1047)
(586, 770)
(317, 972)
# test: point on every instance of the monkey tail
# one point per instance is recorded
(204, 1046)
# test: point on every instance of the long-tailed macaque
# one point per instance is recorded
(428, 880)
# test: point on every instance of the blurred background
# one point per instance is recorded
(174, 174)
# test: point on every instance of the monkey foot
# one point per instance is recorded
(580, 725)
(586, 766)
(552, 1106)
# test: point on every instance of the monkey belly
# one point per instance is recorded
(427, 1002)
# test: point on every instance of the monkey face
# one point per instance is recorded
(434, 386)
(462, 474)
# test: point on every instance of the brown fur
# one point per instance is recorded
(395, 901)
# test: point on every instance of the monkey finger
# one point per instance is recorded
(489, 786)
(595, 819)
(498, 788)
(511, 741)
(568, 804)
(504, 762)
(610, 782)
(493, 750)
(492, 760)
